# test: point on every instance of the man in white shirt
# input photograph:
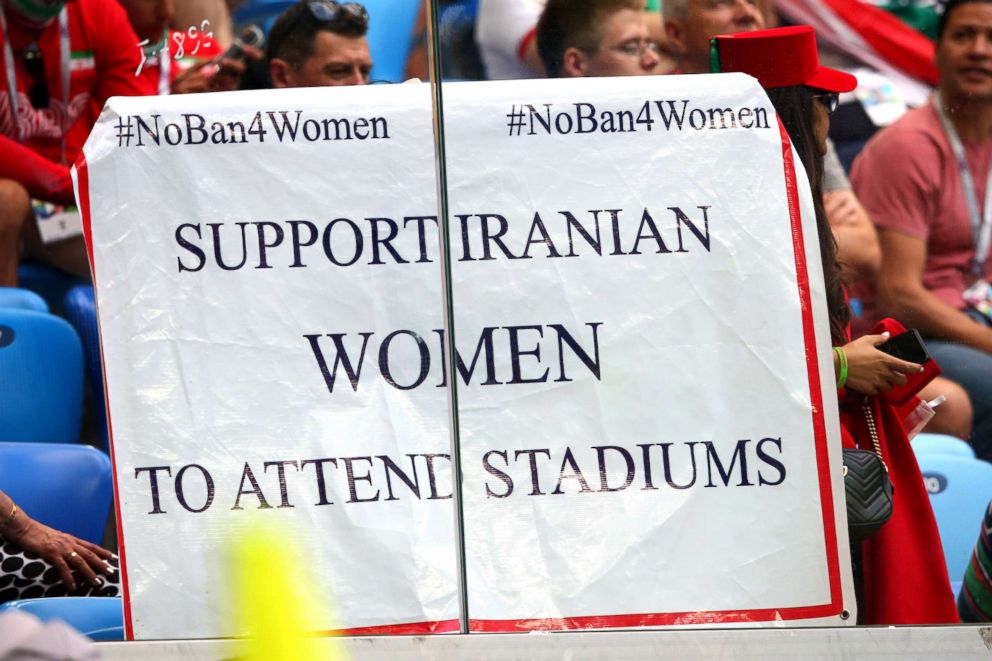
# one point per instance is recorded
(505, 31)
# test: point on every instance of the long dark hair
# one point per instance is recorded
(794, 106)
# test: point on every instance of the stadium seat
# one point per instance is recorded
(41, 378)
(51, 284)
(22, 299)
(960, 489)
(67, 487)
(941, 444)
(80, 310)
(391, 36)
(100, 618)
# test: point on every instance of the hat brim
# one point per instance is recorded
(832, 80)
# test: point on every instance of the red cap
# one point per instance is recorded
(781, 57)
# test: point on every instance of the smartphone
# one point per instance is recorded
(907, 346)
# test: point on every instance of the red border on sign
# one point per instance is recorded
(834, 607)
(83, 180)
(411, 629)
(836, 604)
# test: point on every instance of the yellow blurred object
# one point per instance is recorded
(277, 610)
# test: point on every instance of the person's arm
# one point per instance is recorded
(870, 371)
(857, 241)
(116, 54)
(42, 178)
(507, 28)
(901, 293)
(63, 551)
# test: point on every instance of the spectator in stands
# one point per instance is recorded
(34, 557)
(319, 43)
(42, 124)
(505, 31)
(903, 579)
(924, 182)
(689, 25)
(181, 61)
(595, 38)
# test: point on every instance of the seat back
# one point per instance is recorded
(941, 444)
(22, 299)
(391, 36)
(51, 284)
(100, 618)
(80, 311)
(960, 489)
(41, 378)
(67, 487)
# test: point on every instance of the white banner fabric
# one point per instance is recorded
(648, 436)
(223, 271)
(657, 441)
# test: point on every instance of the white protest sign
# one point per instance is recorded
(237, 240)
(650, 434)
(648, 437)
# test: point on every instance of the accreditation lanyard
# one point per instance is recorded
(164, 66)
(65, 56)
(981, 225)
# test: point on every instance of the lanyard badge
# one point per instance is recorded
(64, 55)
(981, 223)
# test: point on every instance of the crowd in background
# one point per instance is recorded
(907, 227)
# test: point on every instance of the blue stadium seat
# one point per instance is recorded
(50, 283)
(41, 378)
(100, 618)
(67, 487)
(22, 299)
(260, 11)
(391, 36)
(941, 444)
(80, 310)
(960, 489)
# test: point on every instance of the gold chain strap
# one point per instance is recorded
(870, 419)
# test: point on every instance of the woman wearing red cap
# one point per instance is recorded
(899, 572)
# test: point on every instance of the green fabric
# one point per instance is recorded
(39, 11)
(654, 5)
(978, 593)
(921, 19)
(714, 57)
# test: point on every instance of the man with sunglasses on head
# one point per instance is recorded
(595, 38)
(320, 43)
(58, 58)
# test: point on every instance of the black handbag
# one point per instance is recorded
(867, 486)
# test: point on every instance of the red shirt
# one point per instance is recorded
(908, 180)
(104, 59)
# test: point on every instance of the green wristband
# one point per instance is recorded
(842, 363)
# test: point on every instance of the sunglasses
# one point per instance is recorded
(35, 67)
(830, 100)
(329, 10)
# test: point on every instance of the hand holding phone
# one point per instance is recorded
(909, 346)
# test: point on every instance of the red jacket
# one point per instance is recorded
(104, 58)
(905, 577)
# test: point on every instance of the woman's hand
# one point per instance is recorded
(63, 551)
(870, 371)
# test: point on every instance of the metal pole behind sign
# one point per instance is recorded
(434, 58)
